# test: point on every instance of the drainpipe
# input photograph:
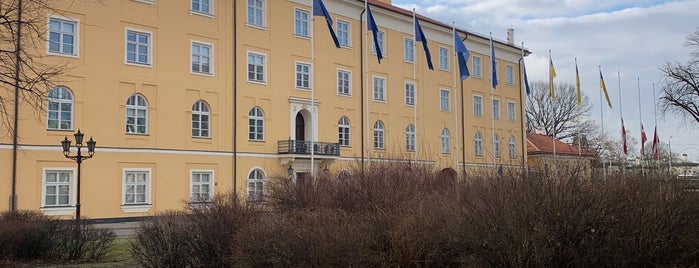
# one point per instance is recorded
(361, 76)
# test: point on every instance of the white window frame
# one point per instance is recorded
(306, 76)
(477, 106)
(201, 56)
(410, 138)
(136, 207)
(344, 132)
(444, 100)
(408, 50)
(444, 58)
(379, 135)
(495, 108)
(378, 90)
(262, 18)
(149, 61)
(478, 143)
(381, 36)
(496, 146)
(409, 92)
(344, 37)
(344, 84)
(56, 210)
(210, 4)
(511, 111)
(60, 102)
(512, 145)
(75, 34)
(446, 141)
(477, 65)
(510, 74)
(300, 25)
(259, 123)
(263, 65)
(259, 197)
(193, 184)
(135, 107)
(203, 111)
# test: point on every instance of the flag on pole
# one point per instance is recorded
(493, 68)
(623, 137)
(577, 83)
(462, 55)
(656, 142)
(320, 10)
(552, 75)
(420, 37)
(644, 138)
(604, 89)
(526, 80)
(375, 32)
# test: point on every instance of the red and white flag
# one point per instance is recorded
(656, 144)
(644, 138)
(623, 137)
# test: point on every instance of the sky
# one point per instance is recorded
(629, 39)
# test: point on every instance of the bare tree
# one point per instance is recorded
(562, 116)
(680, 84)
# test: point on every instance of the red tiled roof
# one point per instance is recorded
(542, 144)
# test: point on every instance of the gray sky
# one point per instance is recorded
(633, 37)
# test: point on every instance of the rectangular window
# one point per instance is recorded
(443, 58)
(408, 50)
(510, 73)
(382, 45)
(344, 79)
(476, 67)
(511, 111)
(256, 12)
(201, 58)
(303, 75)
(301, 22)
(496, 109)
(444, 100)
(409, 94)
(202, 6)
(136, 187)
(343, 33)
(477, 105)
(62, 37)
(58, 188)
(379, 89)
(138, 47)
(202, 186)
(256, 67)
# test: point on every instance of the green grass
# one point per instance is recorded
(119, 256)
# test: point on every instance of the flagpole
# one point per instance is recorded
(415, 87)
(312, 84)
(655, 129)
(621, 115)
(640, 118)
(456, 102)
(553, 100)
(523, 83)
(493, 76)
(577, 86)
(601, 115)
(366, 82)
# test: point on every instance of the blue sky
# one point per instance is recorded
(629, 36)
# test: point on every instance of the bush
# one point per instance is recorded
(32, 237)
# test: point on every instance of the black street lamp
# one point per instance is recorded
(79, 157)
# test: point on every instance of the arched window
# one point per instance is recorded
(201, 117)
(60, 109)
(378, 135)
(446, 141)
(478, 143)
(343, 130)
(256, 124)
(410, 138)
(511, 145)
(256, 185)
(136, 115)
(496, 145)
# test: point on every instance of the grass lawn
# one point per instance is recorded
(119, 256)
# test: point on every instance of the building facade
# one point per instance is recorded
(187, 99)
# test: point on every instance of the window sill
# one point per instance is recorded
(203, 14)
(211, 74)
(136, 64)
(263, 82)
(304, 37)
(59, 54)
(259, 27)
(136, 208)
(345, 95)
(148, 2)
(58, 211)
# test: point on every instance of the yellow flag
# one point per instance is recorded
(604, 89)
(552, 75)
(577, 83)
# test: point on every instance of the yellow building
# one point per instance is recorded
(191, 98)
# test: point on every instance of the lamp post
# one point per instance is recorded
(79, 157)
(669, 146)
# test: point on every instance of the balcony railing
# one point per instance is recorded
(305, 148)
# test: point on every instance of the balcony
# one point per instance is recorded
(299, 147)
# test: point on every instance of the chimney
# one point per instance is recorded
(511, 36)
(685, 158)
